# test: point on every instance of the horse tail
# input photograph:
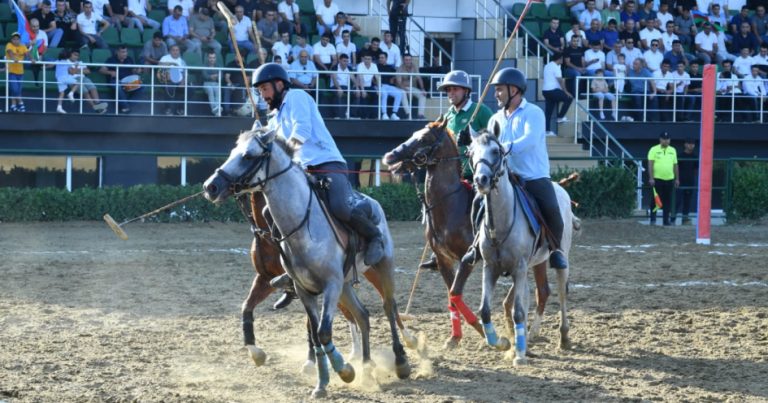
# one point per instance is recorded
(576, 222)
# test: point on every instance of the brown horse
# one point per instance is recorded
(265, 257)
(447, 204)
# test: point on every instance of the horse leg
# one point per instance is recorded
(457, 298)
(260, 289)
(386, 276)
(354, 333)
(331, 296)
(313, 317)
(489, 282)
(542, 294)
(374, 278)
(445, 267)
(562, 294)
(361, 316)
(309, 365)
(519, 305)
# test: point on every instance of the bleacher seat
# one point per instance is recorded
(147, 34)
(3, 39)
(10, 28)
(52, 53)
(310, 22)
(111, 36)
(5, 13)
(131, 37)
(158, 14)
(517, 9)
(85, 55)
(192, 59)
(533, 27)
(537, 11)
(306, 6)
(558, 10)
(99, 56)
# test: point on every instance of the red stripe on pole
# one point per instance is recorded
(707, 140)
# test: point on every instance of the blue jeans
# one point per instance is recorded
(14, 85)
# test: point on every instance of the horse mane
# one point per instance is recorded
(279, 140)
(484, 137)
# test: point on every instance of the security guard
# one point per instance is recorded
(663, 175)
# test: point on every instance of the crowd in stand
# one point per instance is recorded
(667, 43)
(265, 30)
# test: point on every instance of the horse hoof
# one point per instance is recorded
(403, 370)
(452, 343)
(520, 361)
(257, 355)
(503, 344)
(319, 393)
(347, 373)
(409, 339)
(565, 344)
(308, 368)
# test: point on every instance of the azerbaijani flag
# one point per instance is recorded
(25, 30)
(700, 18)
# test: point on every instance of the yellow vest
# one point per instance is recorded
(664, 161)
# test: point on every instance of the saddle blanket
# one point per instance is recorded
(529, 208)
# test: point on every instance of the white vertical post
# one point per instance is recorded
(183, 171)
(69, 173)
(101, 172)
(377, 180)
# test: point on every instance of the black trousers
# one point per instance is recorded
(665, 189)
(544, 193)
(552, 98)
(340, 191)
(683, 201)
(397, 29)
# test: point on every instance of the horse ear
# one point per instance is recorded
(496, 129)
(269, 136)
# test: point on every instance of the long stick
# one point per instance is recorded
(501, 56)
(117, 228)
(231, 25)
(405, 315)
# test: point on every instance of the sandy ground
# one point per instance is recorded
(87, 317)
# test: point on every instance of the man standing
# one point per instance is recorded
(663, 176)
(398, 13)
(688, 166)
(554, 92)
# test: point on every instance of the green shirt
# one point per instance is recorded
(664, 161)
(458, 120)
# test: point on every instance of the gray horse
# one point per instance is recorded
(508, 245)
(312, 256)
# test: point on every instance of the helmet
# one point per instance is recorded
(510, 76)
(268, 72)
(458, 78)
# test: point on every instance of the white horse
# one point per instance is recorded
(312, 256)
(508, 245)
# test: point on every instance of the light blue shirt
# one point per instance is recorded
(523, 134)
(175, 27)
(298, 118)
(303, 73)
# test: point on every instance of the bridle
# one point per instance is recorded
(499, 167)
(424, 156)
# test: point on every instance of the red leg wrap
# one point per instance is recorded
(455, 322)
(458, 302)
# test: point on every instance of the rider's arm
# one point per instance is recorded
(533, 134)
(300, 114)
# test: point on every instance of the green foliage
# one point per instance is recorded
(602, 192)
(749, 191)
(399, 201)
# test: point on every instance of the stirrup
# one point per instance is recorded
(430, 264)
(471, 256)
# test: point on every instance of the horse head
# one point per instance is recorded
(488, 160)
(242, 169)
(421, 149)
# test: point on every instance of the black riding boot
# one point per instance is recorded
(557, 260)
(430, 264)
(286, 283)
(366, 227)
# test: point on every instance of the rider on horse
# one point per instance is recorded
(298, 120)
(458, 88)
(523, 136)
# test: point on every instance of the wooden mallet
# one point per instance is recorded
(118, 228)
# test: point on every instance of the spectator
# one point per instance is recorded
(742, 66)
(67, 21)
(575, 31)
(706, 45)
(610, 35)
(631, 52)
(233, 97)
(301, 44)
(555, 92)
(665, 89)
(685, 27)
(590, 14)
(739, 19)
(325, 13)
(212, 82)
(678, 55)
(761, 59)
(374, 49)
(347, 47)
(262, 7)
(629, 33)
(760, 21)
(290, 18)
(73, 74)
(47, 22)
(629, 13)
(65, 81)
(303, 74)
(279, 60)
(154, 50)
(392, 50)
(176, 32)
(610, 13)
(727, 87)
(187, 7)
(413, 85)
(343, 23)
(116, 10)
(398, 13)
(249, 10)
(694, 89)
(553, 38)
(663, 176)
(28, 6)
(116, 76)
(595, 34)
(340, 89)
(575, 64)
(613, 57)
(594, 58)
(576, 7)
(722, 50)
(99, 8)
(202, 30)
(91, 26)
(643, 92)
(688, 167)
(325, 53)
(745, 38)
(649, 33)
(754, 87)
(366, 84)
(664, 17)
(681, 5)
(681, 81)
(243, 32)
(601, 91)
(388, 88)
(283, 47)
(646, 13)
(137, 12)
(653, 57)
(267, 28)
(718, 16)
(172, 80)
(668, 37)
(16, 52)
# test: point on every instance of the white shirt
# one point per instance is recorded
(89, 25)
(176, 74)
(653, 59)
(393, 54)
(631, 55)
(186, 6)
(754, 86)
(585, 18)
(569, 35)
(706, 42)
(342, 77)
(138, 7)
(743, 65)
(367, 73)
(62, 70)
(591, 55)
(552, 72)
(662, 80)
(680, 81)
(724, 83)
(761, 60)
(721, 49)
(42, 36)
(98, 7)
(327, 13)
(647, 35)
(326, 52)
(348, 50)
(289, 11)
(242, 28)
(337, 38)
(281, 49)
(667, 39)
(664, 19)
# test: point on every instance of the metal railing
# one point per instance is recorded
(528, 48)
(194, 96)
